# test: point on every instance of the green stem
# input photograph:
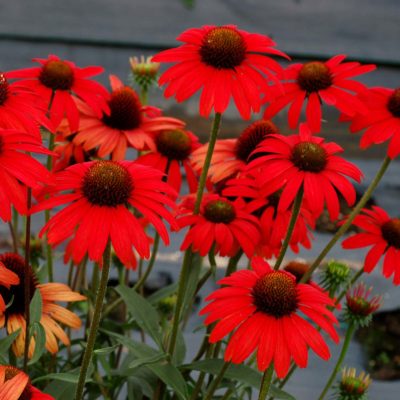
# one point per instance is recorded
(203, 177)
(187, 259)
(356, 210)
(292, 224)
(87, 356)
(187, 262)
(215, 383)
(233, 262)
(27, 275)
(346, 343)
(142, 280)
(266, 382)
(200, 380)
(13, 237)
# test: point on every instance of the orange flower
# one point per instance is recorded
(52, 314)
(15, 385)
(129, 124)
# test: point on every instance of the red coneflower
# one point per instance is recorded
(222, 223)
(58, 79)
(68, 152)
(128, 124)
(274, 222)
(381, 232)
(52, 314)
(19, 170)
(317, 82)
(222, 61)
(360, 306)
(230, 156)
(15, 385)
(262, 308)
(174, 148)
(21, 109)
(100, 194)
(382, 122)
(305, 162)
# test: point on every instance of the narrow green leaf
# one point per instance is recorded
(69, 377)
(147, 360)
(241, 373)
(191, 284)
(167, 372)
(37, 330)
(142, 312)
(163, 293)
(35, 308)
(6, 342)
(105, 350)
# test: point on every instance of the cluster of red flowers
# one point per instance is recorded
(253, 183)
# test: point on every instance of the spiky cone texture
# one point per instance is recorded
(315, 83)
(353, 386)
(15, 385)
(221, 61)
(360, 306)
(101, 198)
(267, 311)
(127, 124)
(56, 81)
(305, 162)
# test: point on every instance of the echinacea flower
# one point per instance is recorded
(224, 62)
(52, 313)
(230, 156)
(174, 148)
(382, 121)
(55, 81)
(18, 170)
(274, 222)
(316, 82)
(383, 234)
(68, 152)
(128, 124)
(99, 198)
(221, 223)
(360, 306)
(7, 278)
(353, 386)
(21, 109)
(15, 385)
(263, 308)
(305, 162)
(144, 71)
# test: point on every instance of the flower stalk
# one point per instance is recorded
(101, 291)
(356, 210)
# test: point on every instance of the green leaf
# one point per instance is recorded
(105, 350)
(240, 373)
(163, 293)
(6, 342)
(147, 360)
(35, 308)
(167, 372)
(142, 312)
(61, 390)
(69, 377)
(191, 283)
(37, 330)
